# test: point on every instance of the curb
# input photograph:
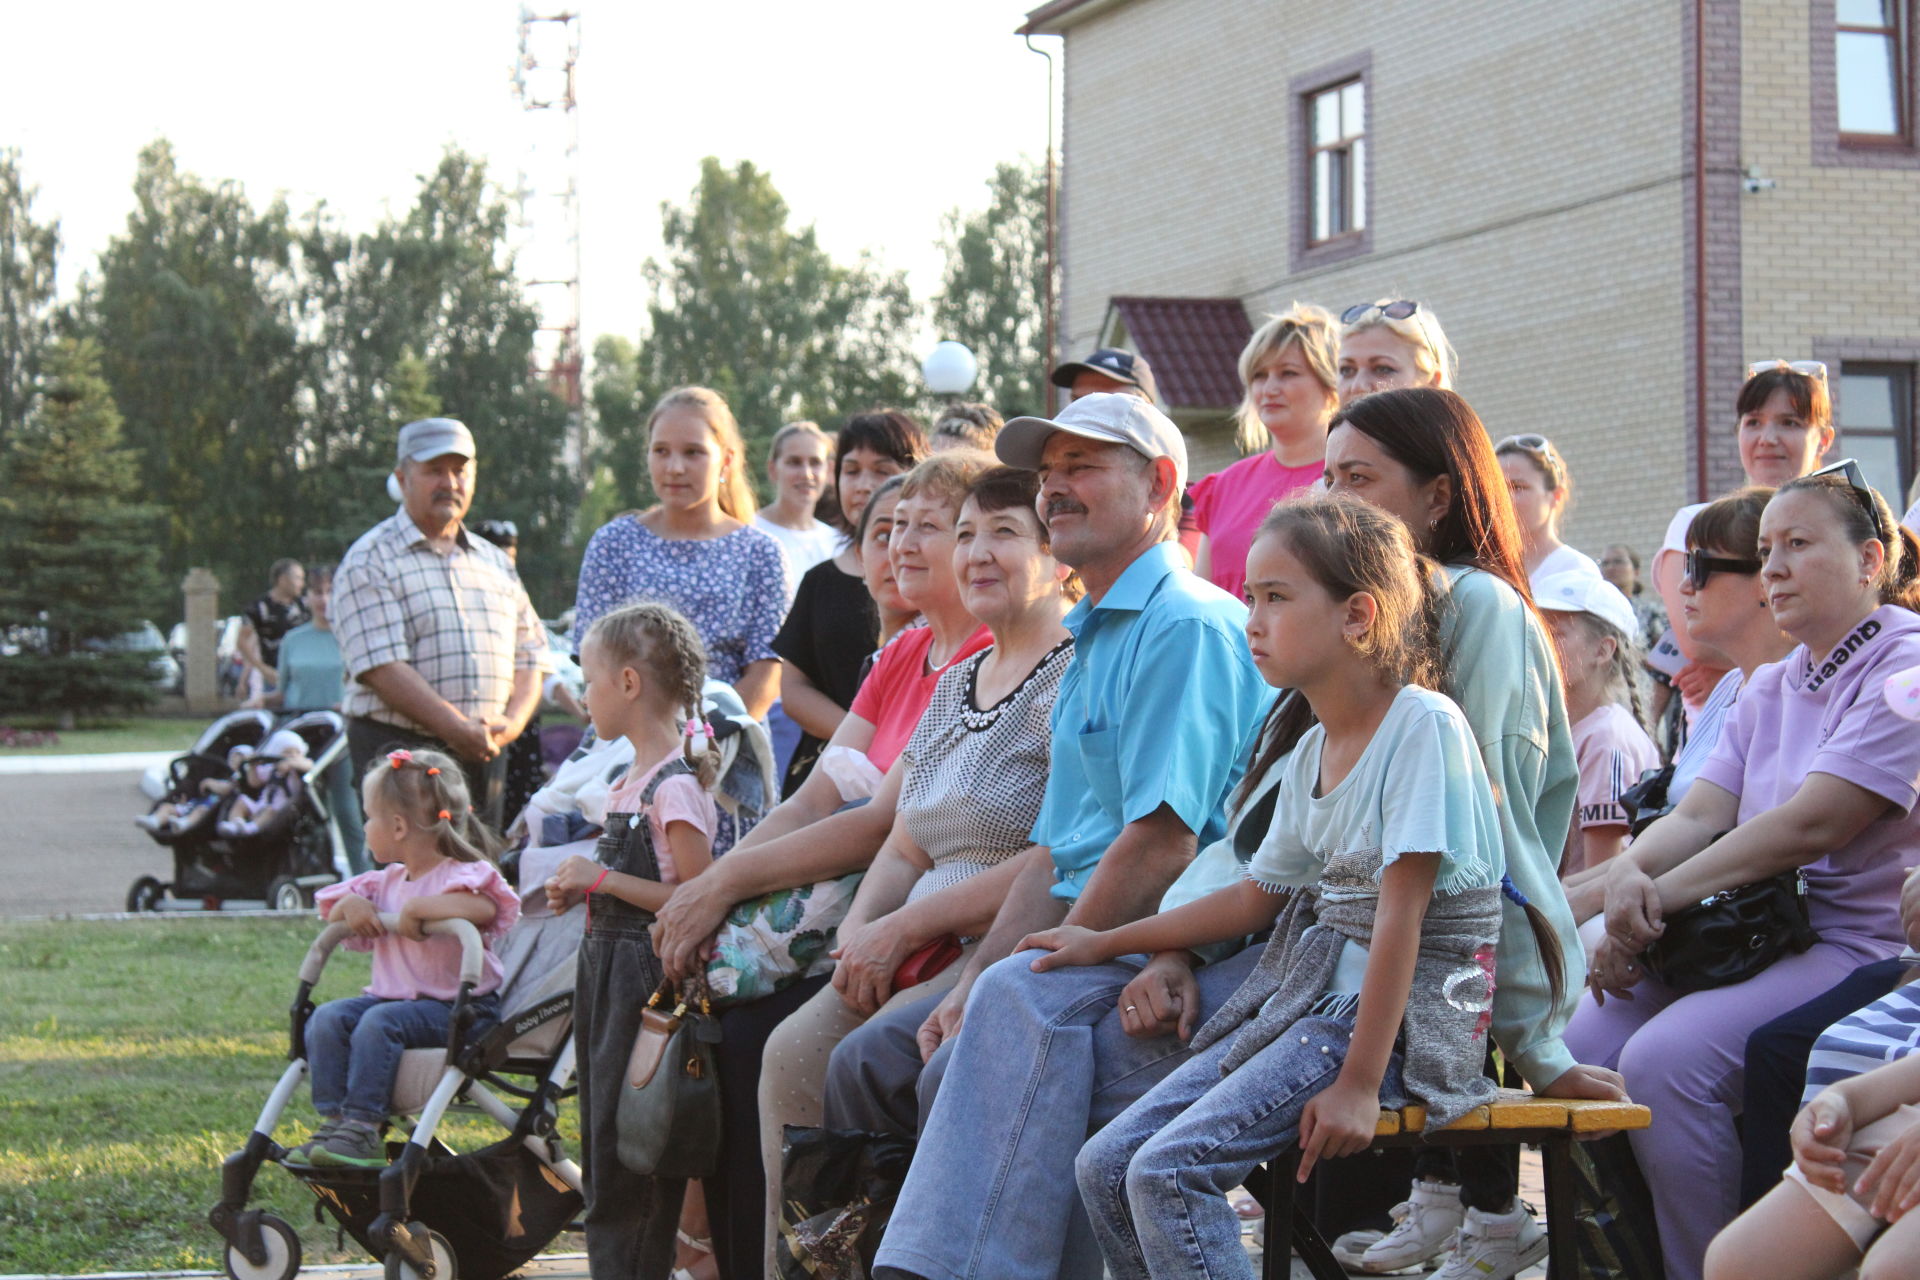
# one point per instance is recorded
(98, 762)
(181, 913)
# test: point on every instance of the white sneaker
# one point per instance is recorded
(1349, 1248)
(1423, 1228)
(1494, 1246)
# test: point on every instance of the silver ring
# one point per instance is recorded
(1130, 1008)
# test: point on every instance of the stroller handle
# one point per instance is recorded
(472, 955)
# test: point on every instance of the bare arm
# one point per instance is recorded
(1134, 873)
(521, 704)
(1203, 558)
(407, 692)
(1825, 814)
(806, 705)
(759, 686)
(247, 645)
(817, 797)
(1233, 912)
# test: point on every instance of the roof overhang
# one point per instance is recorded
(1053, 18)
(1192, 344)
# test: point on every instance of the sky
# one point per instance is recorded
(873, 117)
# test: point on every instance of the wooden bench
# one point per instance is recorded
(1514, 1117)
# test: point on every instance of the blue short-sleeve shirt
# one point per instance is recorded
(1160, 705)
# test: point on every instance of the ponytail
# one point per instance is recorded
(1545, 938)
(430, 789)
(1902, 585)
(697, 747)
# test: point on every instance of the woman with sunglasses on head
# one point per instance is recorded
(1388, 344)
(1290, 389)
(1813, 774)
(1786, 426)
(1542, 490)
(1423, 455)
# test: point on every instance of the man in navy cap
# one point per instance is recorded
(442, 646)
(1108, 369)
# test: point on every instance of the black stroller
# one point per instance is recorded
(282, 863)
(433, 1213)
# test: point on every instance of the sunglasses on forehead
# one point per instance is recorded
(1701, 567)
(1808, 368)
(1404, 309)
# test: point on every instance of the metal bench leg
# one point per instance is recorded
(1563, 1230)
(1301, 1236)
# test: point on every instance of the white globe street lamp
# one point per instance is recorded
(949, 369)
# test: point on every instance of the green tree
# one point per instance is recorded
(759, 311)
(619, 416)
(28, 253)
(83, 568)
(992, 295)
(197, 319)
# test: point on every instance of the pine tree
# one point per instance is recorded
(82, 566)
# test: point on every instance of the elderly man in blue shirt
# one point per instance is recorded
(1155, 717)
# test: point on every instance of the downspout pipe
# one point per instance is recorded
(1049, 355)
(1700, 405)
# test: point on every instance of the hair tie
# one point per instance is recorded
(433, 773)
(445, 816)
(398, 758)
(698, 727)
(1512, 891)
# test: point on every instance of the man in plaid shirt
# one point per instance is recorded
(442, 645)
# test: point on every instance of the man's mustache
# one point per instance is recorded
(1064, 506)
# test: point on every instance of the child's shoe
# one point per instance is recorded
(353, 1145)
(155, 822)
(1423, 1228)
(1494, 1246)
(303, 1154)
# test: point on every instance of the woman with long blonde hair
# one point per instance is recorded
(694, 549)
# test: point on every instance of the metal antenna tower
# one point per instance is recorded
(548, 195)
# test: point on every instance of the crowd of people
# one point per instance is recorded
(1197, 817)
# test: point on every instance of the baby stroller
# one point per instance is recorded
(292, 853)
(433, 1213)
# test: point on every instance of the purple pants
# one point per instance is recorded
(1684, 1056)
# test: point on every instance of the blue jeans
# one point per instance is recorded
(1155, 1180)
(354, 1048)
(1040, 1062)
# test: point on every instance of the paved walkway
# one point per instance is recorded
(73, 846)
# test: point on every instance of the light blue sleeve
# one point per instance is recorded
(1434, 799)
(1190, 720)
(1283, 860)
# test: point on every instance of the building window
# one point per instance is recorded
(1871, 69)
(1876, 425)
(1337, 126)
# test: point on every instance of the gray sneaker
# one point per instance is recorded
(351, 1146)
(303, 1154)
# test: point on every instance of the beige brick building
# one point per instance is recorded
(1534, 173)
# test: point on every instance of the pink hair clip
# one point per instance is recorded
(697, 727)
(398, 758)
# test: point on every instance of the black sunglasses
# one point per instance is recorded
(1404, 309)
(1701, 567)
(1857, 486)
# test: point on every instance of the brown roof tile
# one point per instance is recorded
(1193, 344)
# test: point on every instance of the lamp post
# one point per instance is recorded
(949, 369)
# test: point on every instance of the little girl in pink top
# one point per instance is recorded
(438, 866)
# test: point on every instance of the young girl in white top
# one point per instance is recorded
(1542, 489)
(644, 668)
(798, 462)
(1593, 628)
(1381, 876)
(438, 866)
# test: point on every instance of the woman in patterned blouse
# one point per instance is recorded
(694, 549)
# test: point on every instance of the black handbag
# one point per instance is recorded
(668, 1122)
(1732, 935)
(1646, 801)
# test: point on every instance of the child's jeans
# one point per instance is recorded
(354, 1048)
(1155, 1180)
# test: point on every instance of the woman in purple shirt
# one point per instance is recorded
(1813, 772)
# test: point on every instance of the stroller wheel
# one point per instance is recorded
(285, 894)
(283, 1254)
(145, 895)
(444, 1268)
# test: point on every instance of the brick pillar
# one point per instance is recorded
(202, 591)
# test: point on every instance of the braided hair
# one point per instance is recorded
(657, 640)
(429, 788)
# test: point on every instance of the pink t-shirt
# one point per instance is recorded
(1795, 718)
(1229, 506)
(896, 692)
(1613, 751)
(403, 968)
(680, 798)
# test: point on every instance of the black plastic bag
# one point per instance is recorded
(837, 1191)
(1613, 1214)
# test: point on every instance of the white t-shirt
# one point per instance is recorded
(1563, 560)
(1676, 539)
(1912, 518)
(805, 547)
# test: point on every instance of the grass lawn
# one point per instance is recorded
(134, 1056)
(136, 733)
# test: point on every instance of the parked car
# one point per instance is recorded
(145, 638)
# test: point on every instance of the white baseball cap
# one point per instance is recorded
(430, 438)
(1114, 417)
(1577, 591)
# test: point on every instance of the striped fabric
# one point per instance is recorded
(1882, 1032)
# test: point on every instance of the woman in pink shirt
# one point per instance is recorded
(1288, 370)
(1813, 773)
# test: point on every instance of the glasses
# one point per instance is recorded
(1535, 443)
(1701, 567)
(1404, 309)
(1808, 368)
(1857, 486)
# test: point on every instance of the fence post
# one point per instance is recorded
(202, 591)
